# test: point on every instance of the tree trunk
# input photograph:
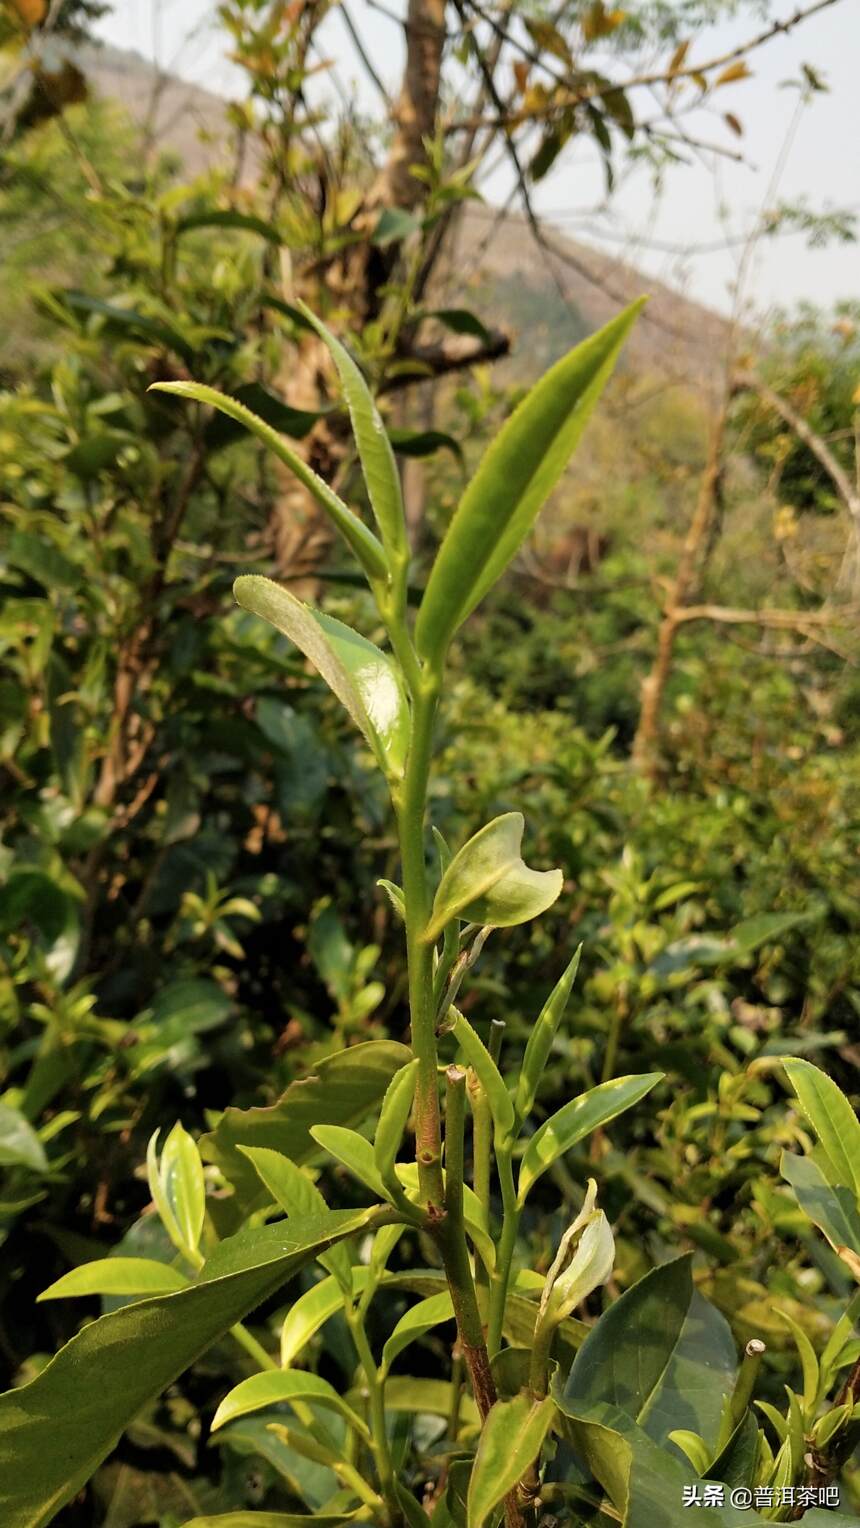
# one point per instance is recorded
(697, 543)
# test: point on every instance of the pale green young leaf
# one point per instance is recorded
(832, 1118)
(395, 897)
(695, 1448)
(184, 1186)
(511, 1440)
(490, 1077)
(294, 1386)
(474, 1214)
(576, 1120)
(116, 1276)
(418, 1319)
(364, 544)
(515, 477)
(374, 447)
(487, 881)
(808, 1361)
(312, 1310)
(159, 1197)
(297, 1195)
(19, 1144)
(364, 679)
(540, 1039)
(396, 1108)
(353, 1152)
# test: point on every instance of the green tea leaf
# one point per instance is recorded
(511, 1439)
(487, 881)
(490, 1077)
(293, 1190)
(313, 1310)
(374, 447)
(662, 1354)
(514, 479)
(183, 1184)
(353, 1152)
(56, 1430)
(228, 217)
(362, 541)
(540, 1040)
(396, 1108)
(342, 1090)
(365, 680)
(19, 1144)
(577, 1119)
(419, 1319)
(832, 1118)
(293, 1385)
(116, 1276)
(831, 1207)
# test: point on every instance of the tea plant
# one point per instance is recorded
(540, 1418)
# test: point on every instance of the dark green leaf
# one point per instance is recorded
(56, 1430)
(343, 1090)
(660, 1353)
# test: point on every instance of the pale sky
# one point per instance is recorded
(702, 204)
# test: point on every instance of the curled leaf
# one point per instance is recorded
(488, 881)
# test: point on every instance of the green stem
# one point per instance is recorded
(376, 1393)
(252, 1346)
(505, 1249)
(410, 803)
(451, 1239)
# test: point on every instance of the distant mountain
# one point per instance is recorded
(554, 296)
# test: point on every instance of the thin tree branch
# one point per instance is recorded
(660, 77)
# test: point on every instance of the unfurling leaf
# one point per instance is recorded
(511, 1440)
(515, 477)
(364, 679)
(178, 1188)
(584, 1261)
(488, 882)
(364, 544)
(489, 1076)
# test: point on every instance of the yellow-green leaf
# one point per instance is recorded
(488, 882)
(511, 1440)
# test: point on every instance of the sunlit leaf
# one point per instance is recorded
(488, 881)
(364, 679)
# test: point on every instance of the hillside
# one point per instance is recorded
(513, 281)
